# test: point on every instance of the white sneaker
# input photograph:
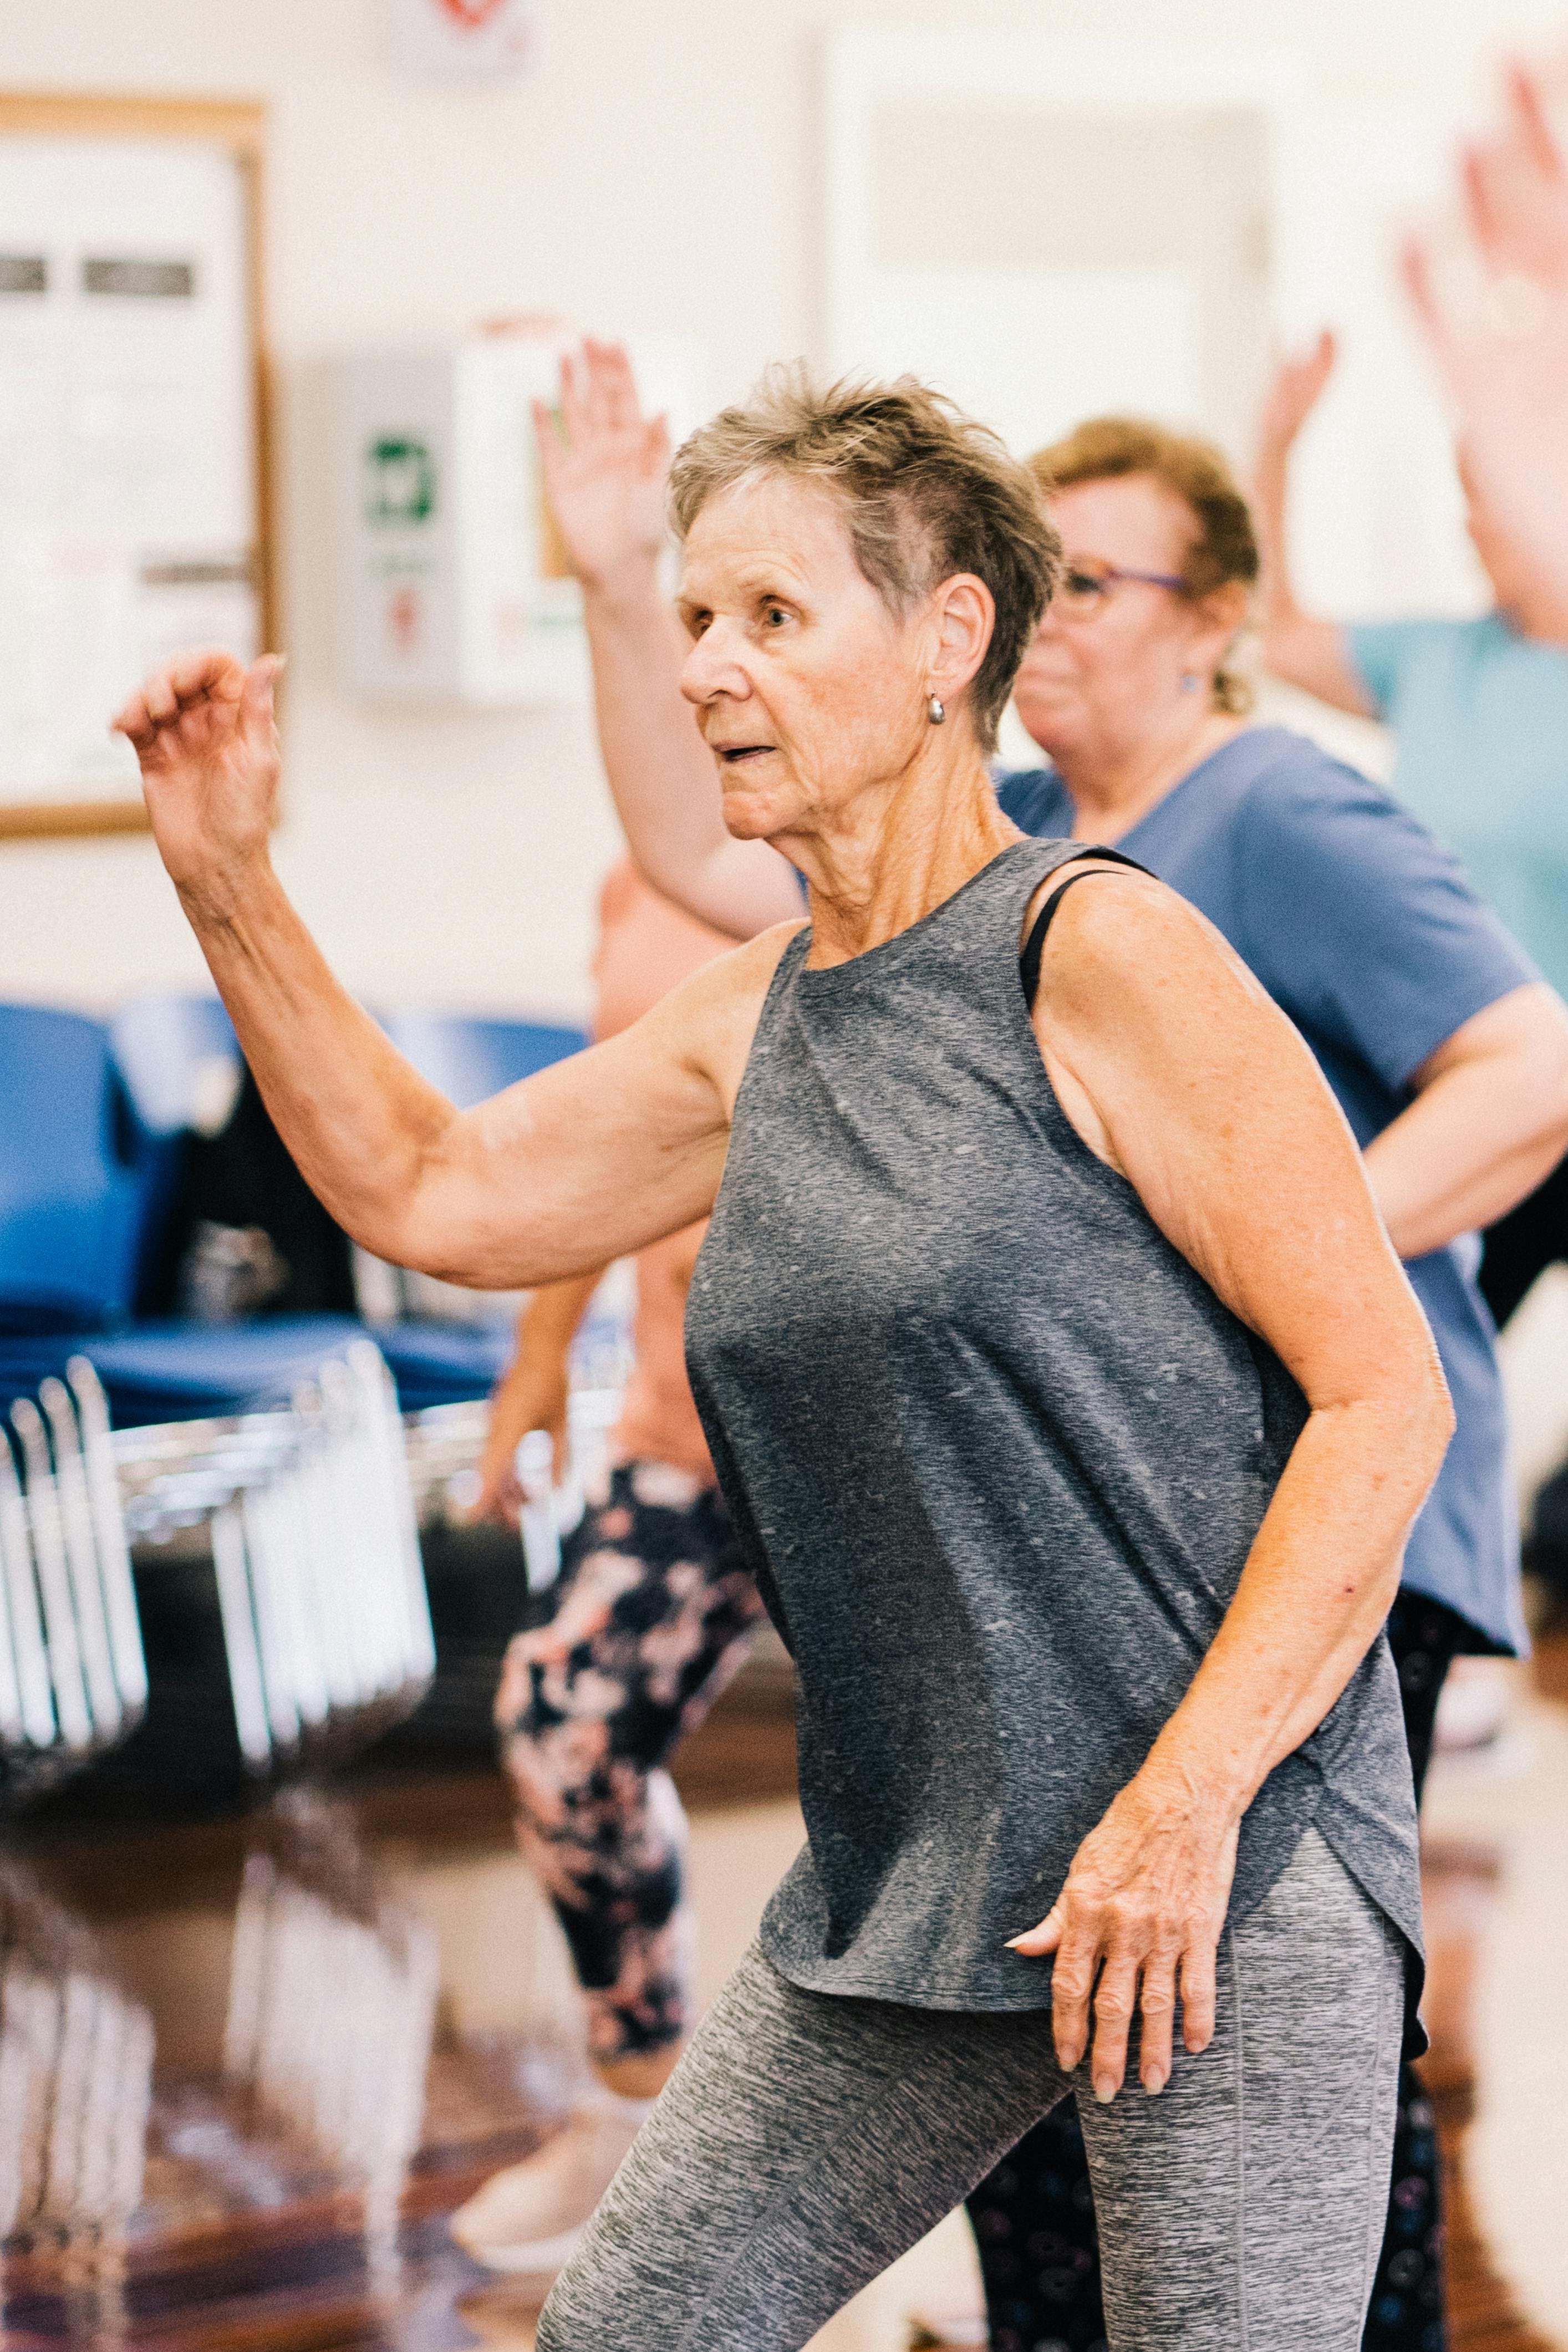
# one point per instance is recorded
(529, 2216)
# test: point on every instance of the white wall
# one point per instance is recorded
(661, 170)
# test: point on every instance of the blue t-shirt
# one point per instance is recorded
(1367, 934)
(1481, 719)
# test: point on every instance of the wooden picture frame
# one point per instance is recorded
(240, 127)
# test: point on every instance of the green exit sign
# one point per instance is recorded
(400, 482)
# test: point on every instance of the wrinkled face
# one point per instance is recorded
(807, 689)
(1087, 680)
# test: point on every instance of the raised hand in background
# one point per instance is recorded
(604, 465)
(1297, 387)
(1505, 358)
(1302, 647)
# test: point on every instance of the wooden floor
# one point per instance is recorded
(223, 2027)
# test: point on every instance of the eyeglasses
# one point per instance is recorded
(1087, 588)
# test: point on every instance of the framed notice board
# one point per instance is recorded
(135, 490)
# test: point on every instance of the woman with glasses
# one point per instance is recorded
(1448, 1055)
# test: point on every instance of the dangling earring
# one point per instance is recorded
(935, 712)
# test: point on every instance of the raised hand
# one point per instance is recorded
(1505, 358)
(1516, 190)
(604, 465)
(203, 729)
(1294, 393)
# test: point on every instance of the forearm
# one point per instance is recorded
(1303, 650)
(1317, 1587)
(659, 770)
(1476, 1137)
(661, 774)
(1439, 1170)
(545, 1330)
(531, 1391)
(360, 1122)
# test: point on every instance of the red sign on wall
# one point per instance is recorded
(464, 40)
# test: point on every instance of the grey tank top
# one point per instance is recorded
(996, 1454)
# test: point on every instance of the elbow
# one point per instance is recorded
(1555, 1101)
(1540, 1074)
(1429, 1417)
(1411, 1415)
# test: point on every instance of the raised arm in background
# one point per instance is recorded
(604, 465)
(1298, 647)
(1505, 357)
(595, 1157)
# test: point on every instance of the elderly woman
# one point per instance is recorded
(1063, 1388)
(1448, 1055)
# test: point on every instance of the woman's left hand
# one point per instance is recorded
(1142, 1911)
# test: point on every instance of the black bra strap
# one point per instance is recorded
(1035, 945)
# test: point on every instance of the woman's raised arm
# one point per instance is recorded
(592, 1156)
(1178, 1071)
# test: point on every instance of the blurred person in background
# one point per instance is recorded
(1480, 712)
(653, 1614)
(1504, 359)
(1448, 1053)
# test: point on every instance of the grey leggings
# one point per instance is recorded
(805, 2140)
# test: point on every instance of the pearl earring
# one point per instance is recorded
(935, 712)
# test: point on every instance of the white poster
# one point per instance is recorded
(127, 439)
(464, 40)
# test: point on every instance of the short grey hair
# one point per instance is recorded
(925, 492)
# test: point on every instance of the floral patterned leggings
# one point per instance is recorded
(655, 1615)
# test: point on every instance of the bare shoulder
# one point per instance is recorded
(710, 1019)
(1128, 946)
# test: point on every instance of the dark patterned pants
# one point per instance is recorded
(653, 1617)
(1033, 2217)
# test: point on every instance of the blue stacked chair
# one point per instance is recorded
(72, 1194)
(473, 1055)
(469, 1057)
(89, 1159)
(91, 1154)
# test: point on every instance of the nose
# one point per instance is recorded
(712, 666)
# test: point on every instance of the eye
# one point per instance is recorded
(775, 617)
(1083, 583)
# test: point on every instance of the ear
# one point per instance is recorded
(1217, 619)
(962, 615)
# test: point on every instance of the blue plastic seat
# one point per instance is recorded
(170, 1371)
(71, 1191)
(444, 1363)
(471, 1057)
(182, 1371)
(161, 1042)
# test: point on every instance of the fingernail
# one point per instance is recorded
(1013, 1941)
(1104, 2089)
(1154, 2083)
